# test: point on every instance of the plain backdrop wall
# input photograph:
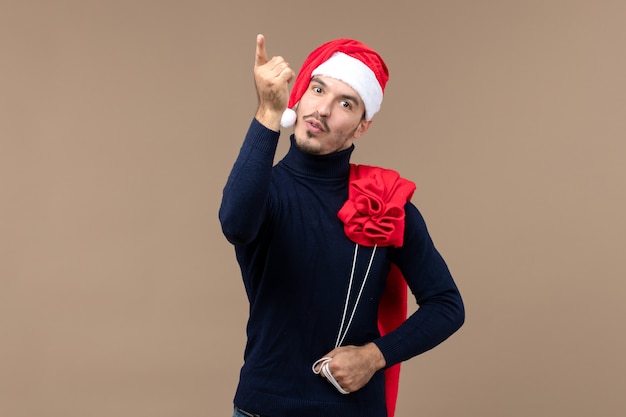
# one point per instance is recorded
(119, 123)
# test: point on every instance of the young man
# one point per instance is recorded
(326, 248)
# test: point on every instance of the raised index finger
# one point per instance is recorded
(261, 55)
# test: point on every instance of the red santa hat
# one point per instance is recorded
(347, 60)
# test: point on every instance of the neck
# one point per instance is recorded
(333, 165)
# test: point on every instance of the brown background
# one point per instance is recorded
(119, 123)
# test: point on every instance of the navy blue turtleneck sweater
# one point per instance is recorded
(296, 264)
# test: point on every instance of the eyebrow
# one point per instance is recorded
(350, 97)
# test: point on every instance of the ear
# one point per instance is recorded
(361, 128)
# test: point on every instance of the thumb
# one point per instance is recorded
(261, 55)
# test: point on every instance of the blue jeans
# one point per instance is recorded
(241, 413)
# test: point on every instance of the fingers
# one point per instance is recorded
(348, 367)
(261, 54)
(321, 367)
(277, 64)
(272, 78)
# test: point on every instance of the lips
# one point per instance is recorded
(315, 125)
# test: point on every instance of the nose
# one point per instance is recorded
(324, 106)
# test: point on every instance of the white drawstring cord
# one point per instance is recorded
(325, 361)
(340, 337)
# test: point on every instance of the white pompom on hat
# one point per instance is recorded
(347, 60)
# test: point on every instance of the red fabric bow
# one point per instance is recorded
(374, 215)
(374, 212)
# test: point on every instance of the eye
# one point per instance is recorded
(346, 104)
(317, 89)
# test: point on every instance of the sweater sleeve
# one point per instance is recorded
(441, 311)
(245, 196)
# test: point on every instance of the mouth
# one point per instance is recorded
(314, 125)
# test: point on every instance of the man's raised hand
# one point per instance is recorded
(272, 78)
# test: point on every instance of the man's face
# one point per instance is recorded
(329, 117)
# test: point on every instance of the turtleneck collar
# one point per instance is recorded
(331, 166)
